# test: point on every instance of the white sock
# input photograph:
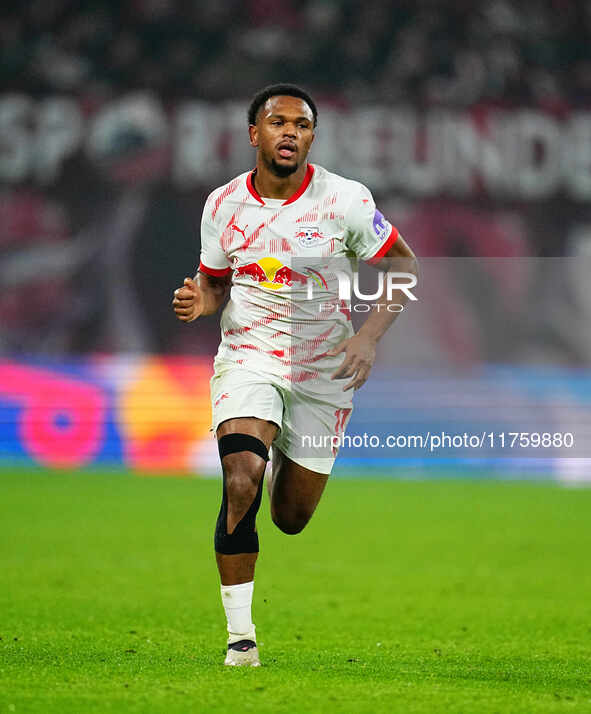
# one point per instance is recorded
(237, 602)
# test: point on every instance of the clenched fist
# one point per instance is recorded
(188, 301)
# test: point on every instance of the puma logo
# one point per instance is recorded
(235, 228)
(225, 395)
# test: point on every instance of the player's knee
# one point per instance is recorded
(292, 522)
(243, 461)
(243, 472)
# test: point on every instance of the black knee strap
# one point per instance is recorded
(232, 443)
(244, 538)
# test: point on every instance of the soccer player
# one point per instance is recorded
(284, 369)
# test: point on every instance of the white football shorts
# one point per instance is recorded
(312, 416)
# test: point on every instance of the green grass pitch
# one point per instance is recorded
(435, 596)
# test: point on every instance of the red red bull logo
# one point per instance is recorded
(270, 273)
(308, 236)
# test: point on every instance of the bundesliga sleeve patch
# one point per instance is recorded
(381, 226)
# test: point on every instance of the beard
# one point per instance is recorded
(280, 170)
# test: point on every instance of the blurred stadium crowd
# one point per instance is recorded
(92, 248)
(427, 51)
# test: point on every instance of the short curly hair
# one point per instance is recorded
(274, 90)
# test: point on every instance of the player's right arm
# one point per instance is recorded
(205, 293)
(202, 295)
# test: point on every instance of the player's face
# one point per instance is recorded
(283, 134)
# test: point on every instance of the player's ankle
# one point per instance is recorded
(238, 636)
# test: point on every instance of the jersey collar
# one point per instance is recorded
(303, 186)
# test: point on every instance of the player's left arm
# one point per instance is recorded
(372, 238)
(360, 350)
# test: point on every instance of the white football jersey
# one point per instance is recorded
(284, 312)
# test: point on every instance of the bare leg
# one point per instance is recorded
(295, 492)
(243, 472)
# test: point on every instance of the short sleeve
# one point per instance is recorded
(213, 259)
(367, 233)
